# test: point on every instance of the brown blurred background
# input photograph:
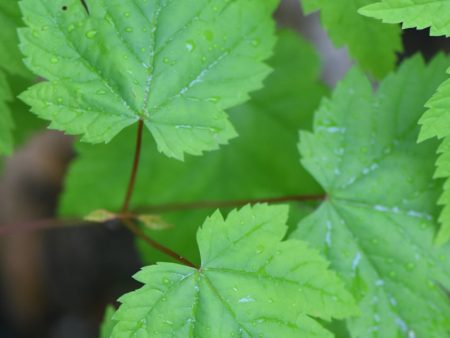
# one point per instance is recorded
(56, 283)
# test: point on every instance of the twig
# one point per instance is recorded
(55, 223)
(137, 156)
(169, 207)
(139, 233)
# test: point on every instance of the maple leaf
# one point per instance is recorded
(378, 223)
(176, 65)
(420, 14)
(250, 284)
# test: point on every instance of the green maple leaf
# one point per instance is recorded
(250, 284)
(378, 223)
(435, 123)
(176, 65)
(422, 14)
(6, 122)
(262, 163)
(10, 56)
(418, 14)
(371, 43)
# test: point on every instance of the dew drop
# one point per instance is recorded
(410, 266)
(101, 92)
(166, 61)
(214, 99)
(54, 60)
(190, 45)
(71, 28)
(256, 42)
(126, 14)
(128, 29)
(91, 34)
(208, 35)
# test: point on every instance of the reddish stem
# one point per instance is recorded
(139, 233)
(228, 204)
(54, 223)
(137, 157)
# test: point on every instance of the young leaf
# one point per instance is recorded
(435, 123)
(371, 43)
(6, 122)
(418, 14)
(378, 223)
(10, 56)
(262, 163)
(176, 65)
(250, 284)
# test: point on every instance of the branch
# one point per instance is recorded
(162, 208)
(137, 156)
(161, 248)
(169, 207)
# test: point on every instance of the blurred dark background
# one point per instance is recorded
(56, 283)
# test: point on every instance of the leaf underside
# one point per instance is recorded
(378, 224)
(372, 44)
(250, 284)
(176, 65)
